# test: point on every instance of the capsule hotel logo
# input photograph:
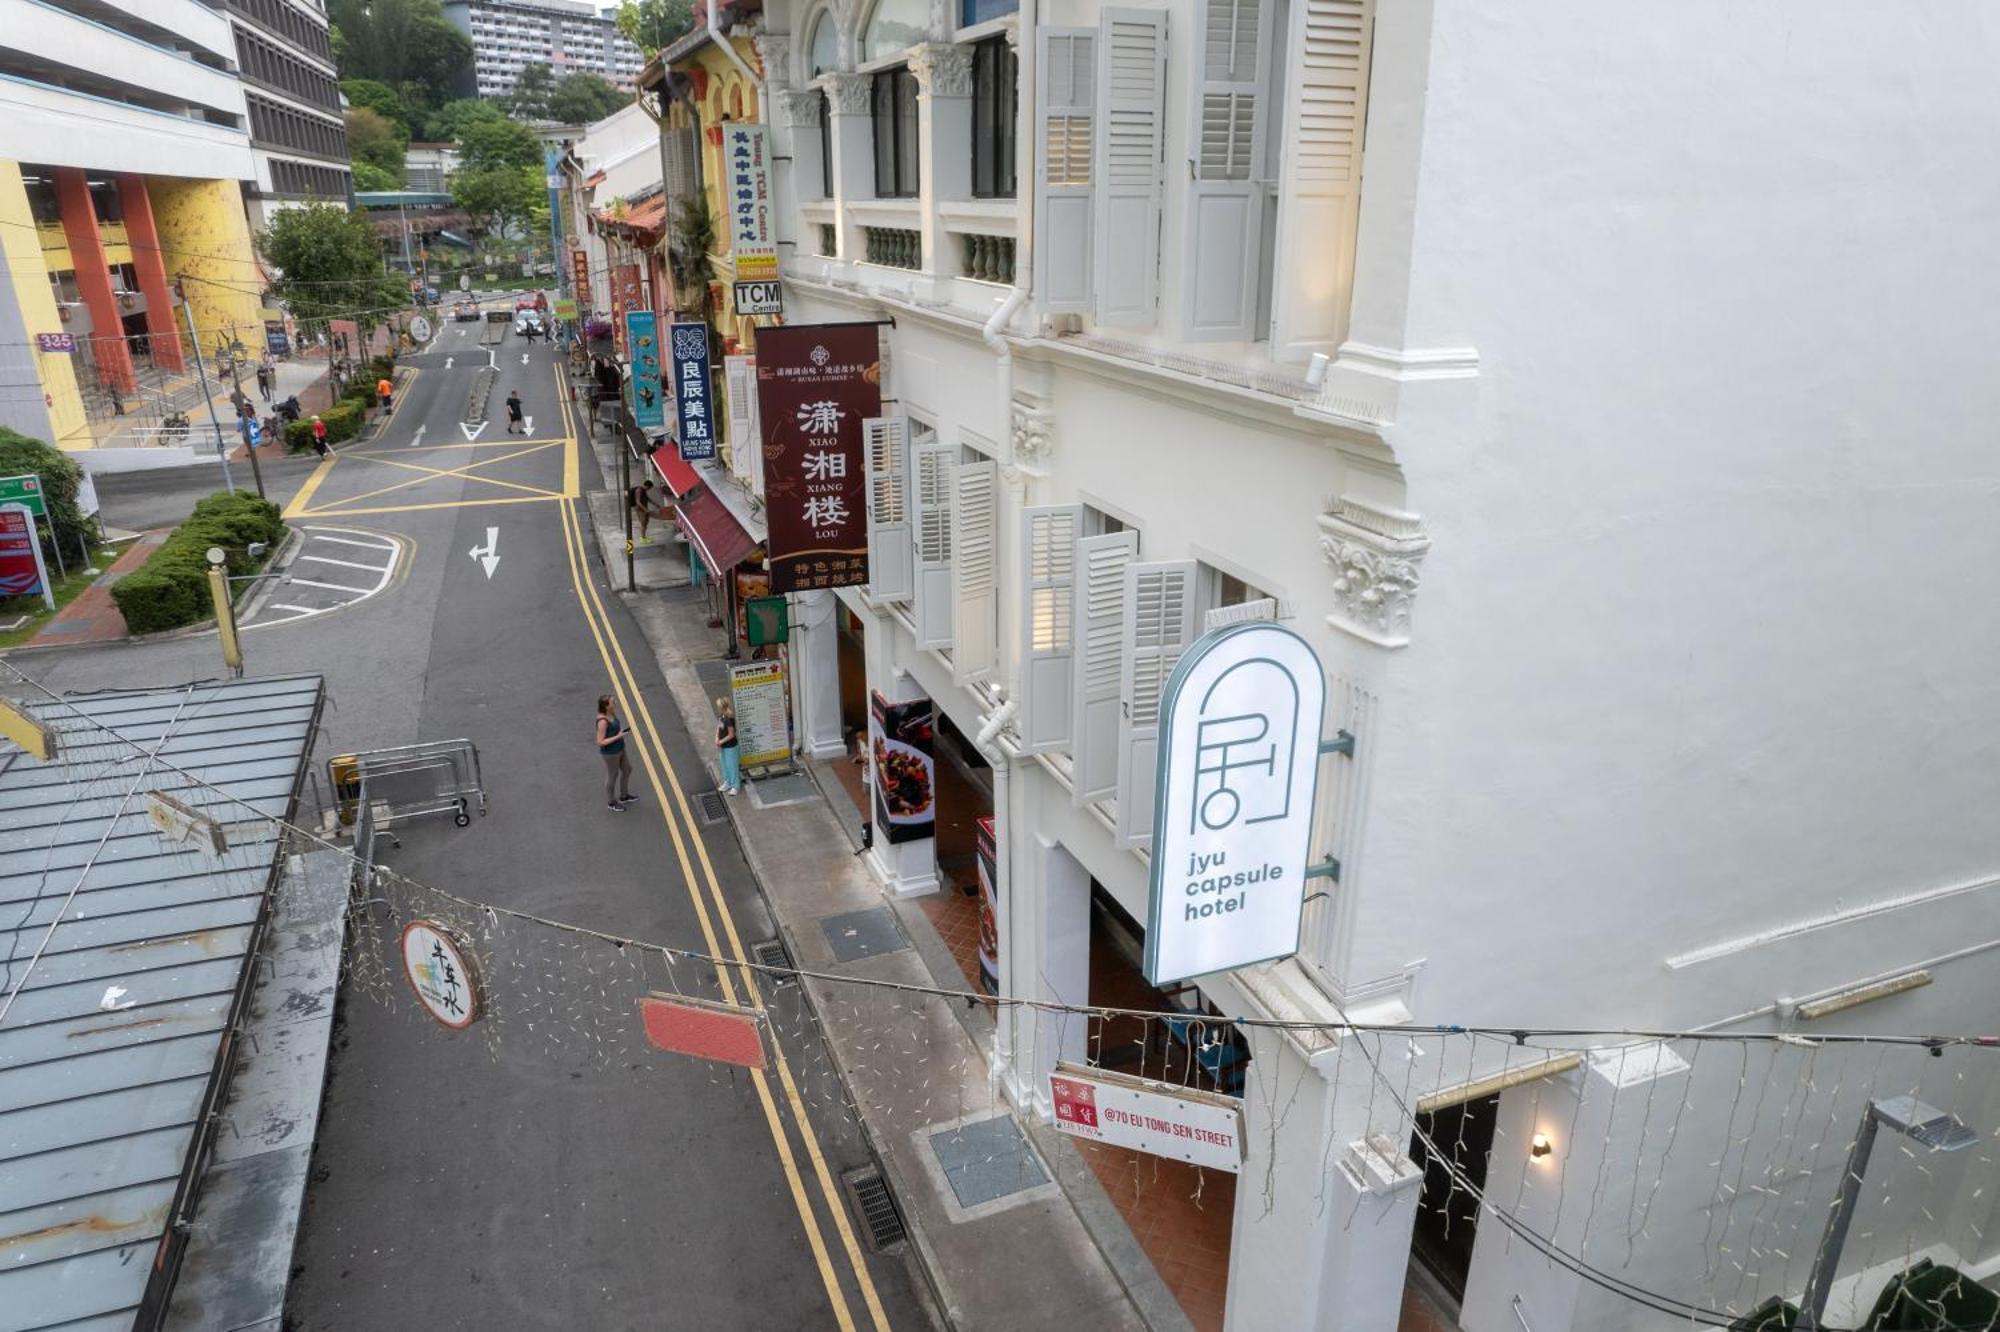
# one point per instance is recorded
(1232, 830)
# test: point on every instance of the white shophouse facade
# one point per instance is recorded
(1642, 515)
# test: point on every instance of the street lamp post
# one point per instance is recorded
(201, 372)
(1924, 1124)
(243, 420)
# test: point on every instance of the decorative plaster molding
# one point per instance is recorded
(1376, 555)
(942, 70)
(1034, 437)
(798, 108)
(847, 94)
(774, 49)
(1012, 32)
(1365, 384)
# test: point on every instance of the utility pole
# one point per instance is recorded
(201, 370)
(243, 421)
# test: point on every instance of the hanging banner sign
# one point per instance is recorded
(691, 390)
(565, 308)
(903, 775)
(816, 384)
(625, 296)
(746, 159)
(759, 298)
(580, 264)
(1201, 1128)
(642, 335)
(22, 573)
(763, 722)
(441, 973)
(1232, 827)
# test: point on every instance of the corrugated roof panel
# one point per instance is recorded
(110, 1042)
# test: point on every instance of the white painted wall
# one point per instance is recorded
(57, 128)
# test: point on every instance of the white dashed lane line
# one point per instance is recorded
(341, 548)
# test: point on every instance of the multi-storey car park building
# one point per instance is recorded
(1604, 399)
(566, 35)
(292, 91)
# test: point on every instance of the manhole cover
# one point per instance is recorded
(854, 935)
(712, 808)
(877, 1207)
(987, 1159)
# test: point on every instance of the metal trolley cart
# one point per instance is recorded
(441, 777)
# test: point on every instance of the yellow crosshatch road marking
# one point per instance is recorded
(401, 450)
(302, 505)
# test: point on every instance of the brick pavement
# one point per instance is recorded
(93, 617)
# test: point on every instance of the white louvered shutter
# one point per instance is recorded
(746, 447)
(934, 463)
(1048, 624)
(975, 566)
(1131, 138)
(1226, 154)
(1320, 212)
(1100, 574)
(1159, 626)
(1066, 74)
(890, 576)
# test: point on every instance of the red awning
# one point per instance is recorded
(680, 477)
(714, 530)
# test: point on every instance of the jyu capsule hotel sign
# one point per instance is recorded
(1232, 829)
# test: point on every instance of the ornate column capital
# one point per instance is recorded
(942, 70)
(797, 107)
(774, 52)
(847, 94)
(1034, 437)
(1376, 555)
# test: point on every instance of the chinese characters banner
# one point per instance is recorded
(745, 152)
(581, 260)
(625, 295)
(691, 390)
(816, 384)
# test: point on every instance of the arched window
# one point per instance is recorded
(894, 25)
(825, 45)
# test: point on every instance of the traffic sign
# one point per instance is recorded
(25, 490)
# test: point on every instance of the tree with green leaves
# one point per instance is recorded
(652, 25)
(498, 143)
(507, 199)
(330, 265)
(373, 139)
(583, 98)
(398, 41)
(384, 101)
(368, 178)
(530, 98)
(450, 121)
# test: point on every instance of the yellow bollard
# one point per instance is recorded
(225, 611)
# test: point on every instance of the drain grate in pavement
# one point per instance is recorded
(712, 808)
(771, 953)
(877, 1207)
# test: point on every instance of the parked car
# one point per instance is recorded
(527, 319)
(430, 296)
(465, 312)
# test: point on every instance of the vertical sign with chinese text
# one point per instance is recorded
(580, 259)
(816, 384)
(691, 390)
(746, 158)
(625, 296)
(642, 335)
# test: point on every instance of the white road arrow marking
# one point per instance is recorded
(488, 554)
(447, 362)
(471, 432)
(527, 425)
(524, 358)
(418, 438)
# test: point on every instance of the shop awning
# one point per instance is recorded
(714, 531)
(680, 478)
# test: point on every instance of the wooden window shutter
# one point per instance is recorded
(1226, 143)
(1100, 570)
(1320, 188)
(934, 463)
(890, 575)
(975, 530)
(1066, 72)
(1131, 142)
(1159, 626)
(1048, 624)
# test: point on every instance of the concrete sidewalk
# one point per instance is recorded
(1012, 1228)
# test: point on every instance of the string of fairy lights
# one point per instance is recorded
(562, 991)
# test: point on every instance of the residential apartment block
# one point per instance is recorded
(566, 35)
(1580, 385)
(126, 151)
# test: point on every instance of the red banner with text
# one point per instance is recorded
(816, 384)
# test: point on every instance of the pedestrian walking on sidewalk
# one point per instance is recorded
(643, 502)
(513, 410)
(385, 389)
(725, 747)
(611, 733)
(319, 437)
(264, 381)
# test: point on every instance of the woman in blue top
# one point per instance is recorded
(611, 733)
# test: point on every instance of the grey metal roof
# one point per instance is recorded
(109, 1051)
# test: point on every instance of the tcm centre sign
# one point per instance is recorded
(1232, 825)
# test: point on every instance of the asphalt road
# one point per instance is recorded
(544, 1169)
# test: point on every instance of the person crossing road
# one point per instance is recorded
(514, 417)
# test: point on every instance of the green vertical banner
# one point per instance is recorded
(642, 335)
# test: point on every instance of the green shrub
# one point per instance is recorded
(171, 588)
(60, 477)
(359, 392)
(299, 435)
(343, 421)
(384, 366)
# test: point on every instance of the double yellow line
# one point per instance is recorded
(739, 985)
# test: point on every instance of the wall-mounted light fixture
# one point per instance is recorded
(1540, 1146)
